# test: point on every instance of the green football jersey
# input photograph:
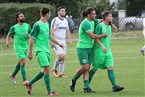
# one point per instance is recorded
(40, 33)
(85, 41)
(101, 29)
(20, 34)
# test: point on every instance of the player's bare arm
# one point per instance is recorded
(93, 36)
(31, 42)
(68, 35)
(7, 40)
(103, 47)
(52, 34)
(55, 41)
(114, 28)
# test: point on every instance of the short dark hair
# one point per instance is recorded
(105, 14)
(17, 15)
(88, 11)
(44, 11)
(61, 7)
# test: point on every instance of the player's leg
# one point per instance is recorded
(111, 74)
(79, 72)
(143, 48)
(58, 50)
(91, 74)
(62, 62)
(61, 67)
(87, 88)
(111, 77)
(85, 66)
(55, 65)
(13, 74)
(22, 69)
(47, 82)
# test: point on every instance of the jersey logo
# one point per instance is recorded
(62, 27)
(84, 61)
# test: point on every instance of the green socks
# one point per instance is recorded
(23, 71)
(75, 77)
(47, 82)
(91, 74)
(86, 83)
(16, 70)
(36, 78)
(111, 77)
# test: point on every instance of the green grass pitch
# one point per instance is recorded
(128, 66)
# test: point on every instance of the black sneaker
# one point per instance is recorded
(72, 85)
(117, 88)
(88, 90)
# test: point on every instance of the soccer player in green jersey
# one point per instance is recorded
(103, 58)
(40, 37)
(84, 48)
(20, 33)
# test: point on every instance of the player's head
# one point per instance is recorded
(89, 13)
(45, 12)
(107, 16)
(61, 11)
(20, 17)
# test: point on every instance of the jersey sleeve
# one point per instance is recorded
(35, 31)
(86, 26)
(11, 31)
(54, 24)
(98, 30)
(67, 24)
(96, 21)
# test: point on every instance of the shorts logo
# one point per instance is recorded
(84, 61)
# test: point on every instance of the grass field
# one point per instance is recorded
(129, 69)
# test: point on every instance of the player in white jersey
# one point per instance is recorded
(143, 48)
(60, 30)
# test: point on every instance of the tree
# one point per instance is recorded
(134, 7)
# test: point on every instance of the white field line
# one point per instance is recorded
(117, 59)
(70, 52)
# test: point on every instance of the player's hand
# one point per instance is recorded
(7, 44)
(61, 45)
(30, 56)
(105, 35)
(104, 49)
(52, 45)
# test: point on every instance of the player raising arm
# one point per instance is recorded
(84, 48)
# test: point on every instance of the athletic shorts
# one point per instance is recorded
(21, 53)
(43, 58)
(85, 55)
(102, 61)
(59, 50)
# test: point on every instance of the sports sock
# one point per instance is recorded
(36, 78)
(75, 77)
(16, 70)
(111, 77)
(86, 83)
(56, 64)
(91, 74)
(23, 71)
(47, 82)
(61, 67)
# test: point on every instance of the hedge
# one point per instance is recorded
(31, 12)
